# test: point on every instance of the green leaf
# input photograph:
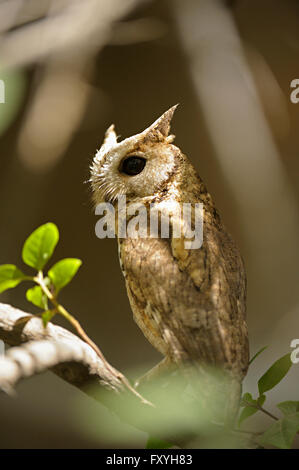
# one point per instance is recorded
(63, 272)
(37, 297)
(246, 398)
(47, 316)
(10, 276)
(275, 374)
(153, 443)
(257, 354)
(246, 413)
(13, 85)
(39, 246)
(250, 406)
(288, 407)
(281, 434)
(261, 400)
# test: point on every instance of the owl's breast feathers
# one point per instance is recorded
(190, 303)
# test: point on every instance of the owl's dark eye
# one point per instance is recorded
(133, 165)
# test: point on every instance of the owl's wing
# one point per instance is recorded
(217, 272)
(190, 304)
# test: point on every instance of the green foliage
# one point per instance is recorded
(251, 406)
(275, 374)
(39, 246)
(14, 81)
(153, 443)
(47, 316)
(282, 432)
(37, 251)
(63, 272)
(288, 407)
(257, 354)
(180, 414)
(37, 297)
(10, 276)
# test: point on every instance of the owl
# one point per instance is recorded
(189, 303)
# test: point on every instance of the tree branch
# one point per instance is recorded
(52, 348)
(38, 349)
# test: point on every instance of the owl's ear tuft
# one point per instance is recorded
(162, 124)
(110, 138)
(160, 129)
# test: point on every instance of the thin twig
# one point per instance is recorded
(268, 413)
(80, 331)
(260, 408)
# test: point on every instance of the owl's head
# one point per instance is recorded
(138, 166)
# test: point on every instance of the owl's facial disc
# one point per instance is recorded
(138, 166)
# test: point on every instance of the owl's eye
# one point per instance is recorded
(133, 165)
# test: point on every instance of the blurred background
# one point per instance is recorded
(72, 68)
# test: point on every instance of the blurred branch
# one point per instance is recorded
(56, 110)
(85, 26)
(230, 3)
(65, 37)
(134, 31)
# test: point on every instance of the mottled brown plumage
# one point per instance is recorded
(189, 303)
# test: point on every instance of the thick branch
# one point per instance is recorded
(62, 352)
(37, 349)
(54, 347)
